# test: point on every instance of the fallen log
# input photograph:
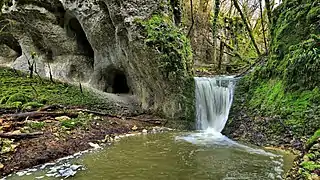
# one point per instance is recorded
(21, 135)
(147, 120)
(38, 114)
(151, 121)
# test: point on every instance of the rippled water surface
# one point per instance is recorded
(177, 156)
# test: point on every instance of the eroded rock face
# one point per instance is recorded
(100, 44)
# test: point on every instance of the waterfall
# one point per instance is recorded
(213, 102)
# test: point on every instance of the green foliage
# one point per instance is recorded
(18, 97)
(31, 105)
(314, 138)
(297, 109)
(36, 125)
(287, 86)
(294, 22)
(310, 165)
(173, 45)
(80, 121)
(4, 99)
(17, 91)
(303, 65)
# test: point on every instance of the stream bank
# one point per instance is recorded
(41, 120)
(61, 136)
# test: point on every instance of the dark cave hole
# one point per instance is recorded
(82, 41)
(119, 83)
(12, 43)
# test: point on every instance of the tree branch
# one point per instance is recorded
(247, 26)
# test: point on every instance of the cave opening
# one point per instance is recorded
(74, 29)
(116, 81)
(12, 43)
(83, 43)
(119, 83)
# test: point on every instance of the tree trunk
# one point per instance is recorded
(216, 11)
(263, 30)
(247, 26)
(269, 13)
(192, 18)
(221, 55)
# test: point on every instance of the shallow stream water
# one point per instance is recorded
(176, 156)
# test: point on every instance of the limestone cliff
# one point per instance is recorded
(123, 47)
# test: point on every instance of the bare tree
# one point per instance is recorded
(216, 11)
(243, 17)
(262, 24)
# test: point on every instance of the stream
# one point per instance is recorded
(201, 154)
(174, 156)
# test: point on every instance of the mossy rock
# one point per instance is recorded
(18, 97)
(175, 49)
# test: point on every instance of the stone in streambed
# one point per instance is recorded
(95, 146)
(144, 131)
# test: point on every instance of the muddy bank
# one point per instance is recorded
(59, 135)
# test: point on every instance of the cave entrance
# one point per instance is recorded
(82, 41)
(12, 43)
(119, 83)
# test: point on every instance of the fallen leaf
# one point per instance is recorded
(1, 166)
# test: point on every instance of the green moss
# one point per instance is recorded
(300, 64)
(36, 125)
(11, 105)
(310, 165)
(294, 22)
(174, 47)
(314, 138)
(312, 156)
(31, 105)
(17, 90)
(187, 100)
(4, 99)
(297, 109)
(81, 120)
(18, 97)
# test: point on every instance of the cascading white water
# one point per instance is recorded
(213, 102)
